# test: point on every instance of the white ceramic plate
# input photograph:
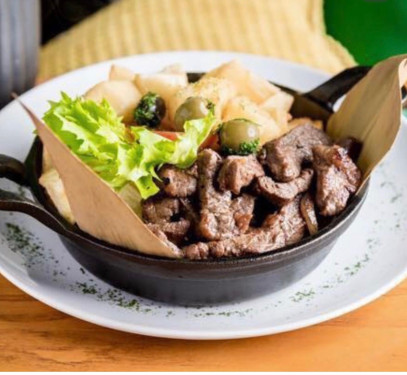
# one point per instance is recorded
(368, 260)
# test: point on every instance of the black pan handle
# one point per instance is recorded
(14, 170)
(330, 91)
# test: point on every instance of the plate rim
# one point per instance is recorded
(177, 333)
(201, 335)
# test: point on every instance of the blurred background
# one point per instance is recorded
(40, 39)
(370, 29)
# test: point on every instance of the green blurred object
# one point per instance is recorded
(371, 30)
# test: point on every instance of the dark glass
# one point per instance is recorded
(59, 15)
(19, 42)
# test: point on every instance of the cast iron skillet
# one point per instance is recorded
(183, 281)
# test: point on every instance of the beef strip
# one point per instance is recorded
(280, 193)
(242, 208)
(220, 216)
(177, 182)
(288, 221)
(216, 220)
(352, 146)
(337, 178)
(307, 207)
(280, 229)
(196, 251)
(285, 155)
(163, 237)
(159, 213)
(238, 172)
(175, 231)
(160, 210)
(189, 211)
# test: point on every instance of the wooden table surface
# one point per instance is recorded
(34, 336)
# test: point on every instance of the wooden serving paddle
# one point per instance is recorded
(371, 112)
(97, 209)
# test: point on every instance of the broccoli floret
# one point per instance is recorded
(245, 148)
(150, 110)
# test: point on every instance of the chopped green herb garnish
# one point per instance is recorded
(245, 148)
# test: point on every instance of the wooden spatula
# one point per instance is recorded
(98, 210)
(371, 112)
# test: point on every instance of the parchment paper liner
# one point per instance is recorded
(97, 209)
(371, 112)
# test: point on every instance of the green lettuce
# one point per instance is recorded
(121, 155)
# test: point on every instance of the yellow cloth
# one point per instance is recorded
(288, 29)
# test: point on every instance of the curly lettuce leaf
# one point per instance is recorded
(95, 134)
(196, 131)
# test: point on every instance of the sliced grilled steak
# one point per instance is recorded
(216, 220)
(178, 182)
(162, 236)
(258, 240)
(280, 193)
(337, 178)
(352, 146)
(279, 229)
(217, 214)
(160, 210)
(196, 251)
(238, 172)
(175, 231)
(242, 208)
(285, 155)
(307, 207)
(189, 211)
(288, 221)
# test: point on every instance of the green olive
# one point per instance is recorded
(193, 108)
(239, 136)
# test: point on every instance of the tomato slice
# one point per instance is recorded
(167, 134)
(211, 142)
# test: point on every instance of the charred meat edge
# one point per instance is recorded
(278, 230)
(220, 216)
(337, 178)
(177, 182)
(160, 210)
(175, 231)
(280, 193)
(238, 172)
(307, 207)
(284, 156)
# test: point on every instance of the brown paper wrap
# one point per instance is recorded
(97, 209)
(371, 112)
